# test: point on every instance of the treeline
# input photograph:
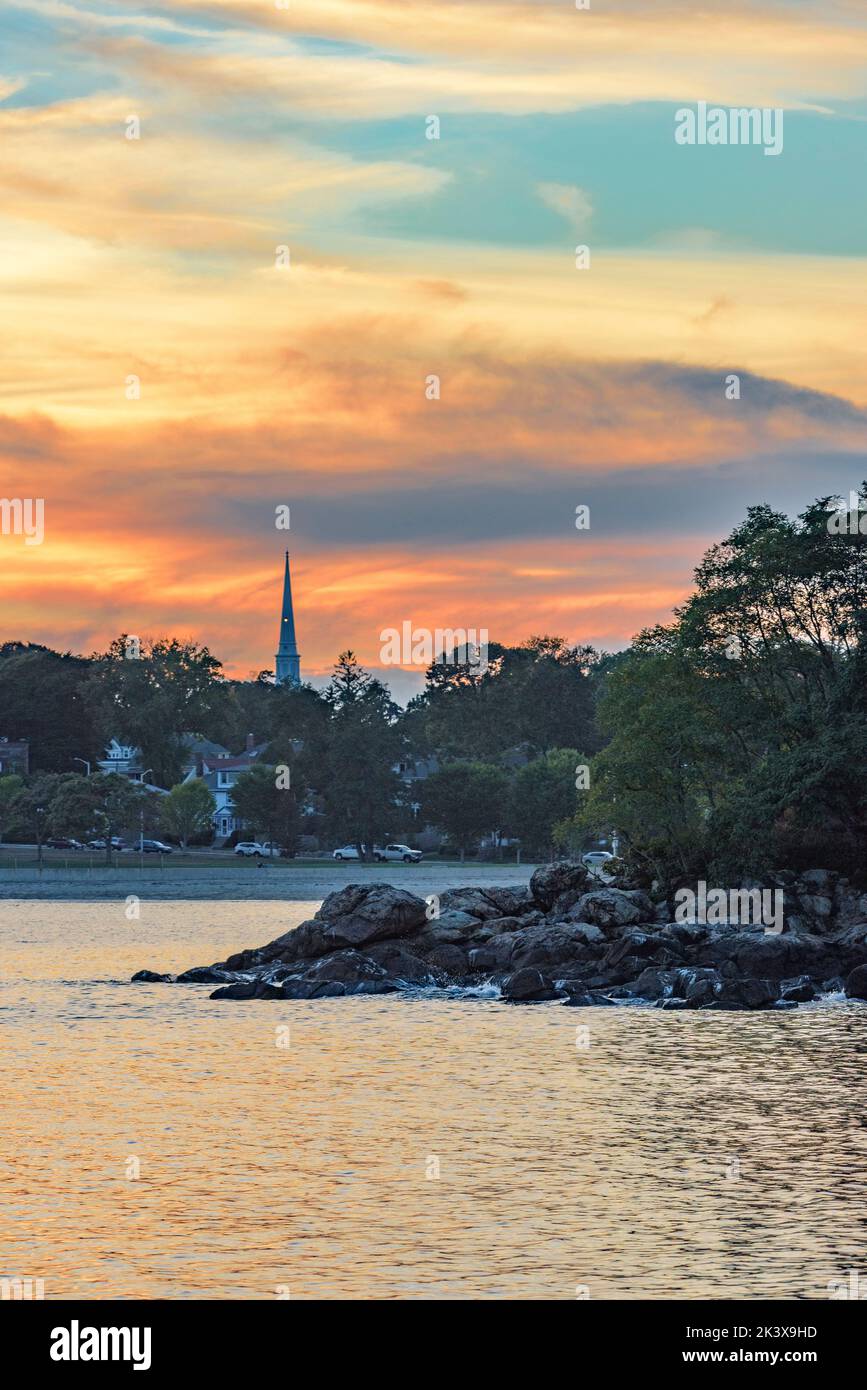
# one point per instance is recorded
(729, 742)
(349, 750)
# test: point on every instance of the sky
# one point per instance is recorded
(242, 309)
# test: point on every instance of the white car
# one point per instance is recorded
(349, 852)
(597, 858)
(266, 850)
(398, 852)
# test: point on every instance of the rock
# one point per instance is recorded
(206, 975)
(701, 992)
(248, 989)
(856, 983)
(608, 908)
(528, 987)
(148, 977)
(239, 991)
(361, 913)
(348, 968)
(800, 990)
(451, 959)
(748, 994)
(588, 999)
(672, 1003)
(653, 983)
(482, 960)
(819, 880)
(474, 901)
(401, 965)
(551, 880)
(816, 906)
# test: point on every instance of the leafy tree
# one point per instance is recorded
(544, 794)
(105, 804)
(739, 732)
(152, 700)
(187, 811)
(33, 803)
(44, 698)
(466, 800)
(269, 808)
(540, 694)
(11, 787)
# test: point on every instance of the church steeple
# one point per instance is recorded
(288, 659)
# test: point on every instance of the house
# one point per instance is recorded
(122, 758)
(14, 756)
(220, 771)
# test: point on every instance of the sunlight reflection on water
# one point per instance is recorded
(691, 1155)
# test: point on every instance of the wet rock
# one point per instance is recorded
(148, 977)
(701, 992)
(856, 983)
(588, 999)
(800, 990)
(248, 989)
(749, 994)
(653, 983)
(528, 987)
(206, 975)
(451, 959)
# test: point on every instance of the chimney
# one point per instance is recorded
(250, 743)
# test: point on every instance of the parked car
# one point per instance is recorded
(63, 842)
(398, 852)
(597, 858)
(266, 849)
(350, 852)
(155, 847)
(116, 843)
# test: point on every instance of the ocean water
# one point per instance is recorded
(160, 1145)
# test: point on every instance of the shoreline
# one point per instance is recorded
(301, 883)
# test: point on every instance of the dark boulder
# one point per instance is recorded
(856, 983)
(148, 977)
(206, 975)
(800, 990)
(528, 987)
(608, 908)
(551, 881)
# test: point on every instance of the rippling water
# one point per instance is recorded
(686, 1155)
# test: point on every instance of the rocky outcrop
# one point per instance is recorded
(567, 937)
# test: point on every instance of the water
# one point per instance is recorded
(689, 1155)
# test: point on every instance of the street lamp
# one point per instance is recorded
(86, 764)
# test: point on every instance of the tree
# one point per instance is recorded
(361, 748)
(540, 694)
(739, 731)
(543, 794)
(33, 803)
(44, 698)
(153, 699)
(466, 800)
(11, 787)
(103, 804)
(267, 806)
(187, 811)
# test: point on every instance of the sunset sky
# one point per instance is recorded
(262, 385)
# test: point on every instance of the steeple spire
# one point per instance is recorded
(288, 659)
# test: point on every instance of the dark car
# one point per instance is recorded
(63, 842)
(155, 847)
